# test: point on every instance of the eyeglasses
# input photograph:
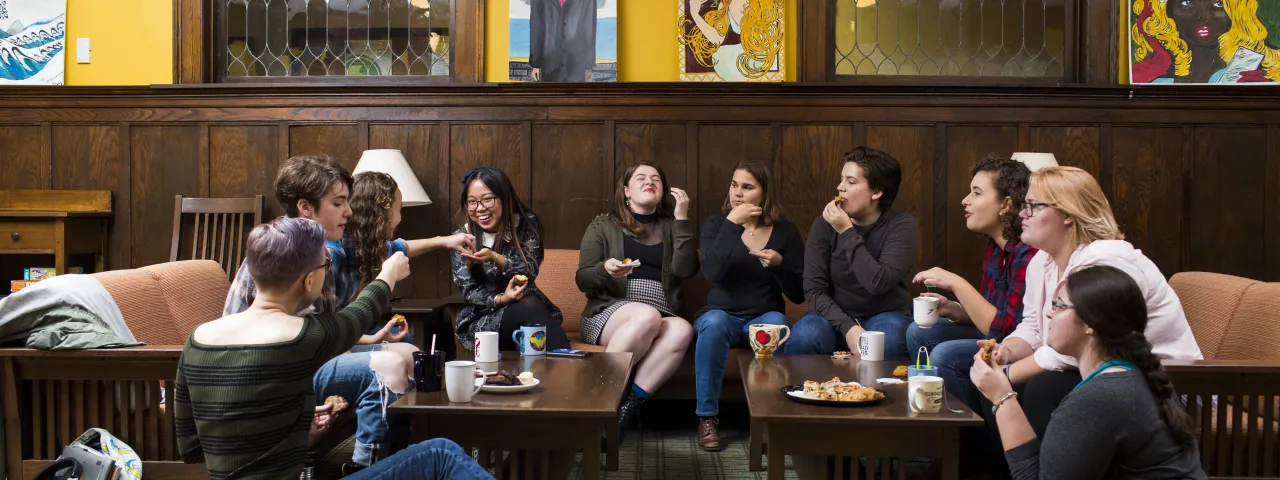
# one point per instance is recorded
(487, 202)
(1030, 208)
(327, 263)
(1059, 306)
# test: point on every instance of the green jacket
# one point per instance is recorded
(603, 240)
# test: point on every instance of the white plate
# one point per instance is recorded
(505, 388)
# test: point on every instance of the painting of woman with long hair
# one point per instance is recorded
(731, 40)
(1201, 41)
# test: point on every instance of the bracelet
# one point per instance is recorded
(1007, 396)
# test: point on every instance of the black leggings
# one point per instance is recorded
(529, 311)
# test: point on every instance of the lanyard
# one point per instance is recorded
(1113, 363)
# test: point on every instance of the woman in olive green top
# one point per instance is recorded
(631, 265)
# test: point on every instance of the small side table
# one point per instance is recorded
(55, 222)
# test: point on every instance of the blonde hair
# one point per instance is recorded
(762, 22)
(1078, 196)
(1246, 31)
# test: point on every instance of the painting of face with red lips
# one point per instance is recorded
(1204, 41)
(1200, 22)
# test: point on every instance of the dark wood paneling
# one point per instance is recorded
(1077, 146)
(1146, 189)
(812, 156)
(165, 163)
(570, 183)
(496, 145)
(1272, 220)
(660, 144)
(341, 142)
(23, 165)
(93, 157)
(1226, 208)
(914, 148)
(966, 146)
(720, 148)
(243, 161)
(422, 147)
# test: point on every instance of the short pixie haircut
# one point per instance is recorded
(282, 250)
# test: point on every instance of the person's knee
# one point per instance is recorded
(443, 444)
(811, 335)
(391, 368)
(715, 322)
(677, 332)
(646, 323)
(771, 318)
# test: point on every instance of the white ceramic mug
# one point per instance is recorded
(486, 347)
(924, 393)
(460, 380)
(871, 346)
(925, 310)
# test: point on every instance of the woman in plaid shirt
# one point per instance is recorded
(996, 195)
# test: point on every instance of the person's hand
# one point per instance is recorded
(989, 378)
(744, 213)
(536, 75)
(386, 335)
(394, 268)
(835, 216)
(514, 292)
(1001, 355)
(463, 243)
(769, 258)
(319, 423)
(938, 277)
(682, 203)
(946, 307)
(851, 337)
(483, 255)
(616, 268)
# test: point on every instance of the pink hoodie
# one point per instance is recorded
(1167, 327)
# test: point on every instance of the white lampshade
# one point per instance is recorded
(392, 162)
(1035, 160)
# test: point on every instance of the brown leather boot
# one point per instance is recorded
(709, 434)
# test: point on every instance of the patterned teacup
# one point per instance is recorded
(765, 339)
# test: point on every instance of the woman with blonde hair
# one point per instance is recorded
(740, 39)
(1192, 41)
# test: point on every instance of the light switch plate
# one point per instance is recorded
(82, 50)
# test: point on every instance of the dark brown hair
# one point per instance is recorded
(512, 208)
(369, 226)
(883, 173)
(621, 209)
(1110, 302)
(771, 209)
(308, 177)
(1012, 178)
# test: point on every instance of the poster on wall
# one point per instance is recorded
(32, 39)
(1204, 42)
(564, 41)
(731, 40)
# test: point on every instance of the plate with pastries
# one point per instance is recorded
(834, 393)
(504, 381)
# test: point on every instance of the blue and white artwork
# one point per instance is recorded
(563, 41)
(32, 41)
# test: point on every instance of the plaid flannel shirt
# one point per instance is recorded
(1004, 280)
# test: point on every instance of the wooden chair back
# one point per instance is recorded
(216, 231)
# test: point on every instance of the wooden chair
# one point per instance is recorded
(217, 230)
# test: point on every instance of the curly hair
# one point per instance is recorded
(1246, 31)
(762, 24)
(369, 227)
(1012, 178)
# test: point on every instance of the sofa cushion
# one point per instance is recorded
(557, 280)
(195, 291)
(1210, 301)
(142, 305)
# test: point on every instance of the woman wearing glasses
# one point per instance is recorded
(1068, 219)
(497, 280)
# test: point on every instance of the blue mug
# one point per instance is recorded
(531, 339)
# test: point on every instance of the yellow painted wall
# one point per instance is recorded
(132, 42)
(647, 47)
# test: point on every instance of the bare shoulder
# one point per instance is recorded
(247, 328)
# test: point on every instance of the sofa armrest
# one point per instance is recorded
(1233, 404)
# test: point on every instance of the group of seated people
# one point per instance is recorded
(1062, 292)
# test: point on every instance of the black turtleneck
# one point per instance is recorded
(649, 255)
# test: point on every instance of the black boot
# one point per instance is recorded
(628, 409)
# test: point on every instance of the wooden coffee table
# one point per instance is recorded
(572, 408)
(832, 438)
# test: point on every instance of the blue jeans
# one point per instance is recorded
(813, 335)
(717, 332)
(951, 347)
(437, 458)
(350, 376)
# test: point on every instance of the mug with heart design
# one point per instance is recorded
(766, 339)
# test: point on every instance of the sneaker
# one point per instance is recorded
(709, 434)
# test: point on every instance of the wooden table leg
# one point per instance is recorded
(755, 448)
(591, 460)
(950, 454)
(777, 461)
(612, 437)
(12, 426)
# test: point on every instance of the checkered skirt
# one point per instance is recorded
(644, 291)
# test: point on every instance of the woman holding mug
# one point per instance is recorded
(498, 279)
(632, 264)
(752, 257)
(1122, 418)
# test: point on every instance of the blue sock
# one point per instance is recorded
(640, 393)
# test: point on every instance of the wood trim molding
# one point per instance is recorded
(189, 41)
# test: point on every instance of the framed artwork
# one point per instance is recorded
(1204, 42)
(32, 42)
(564, 41)
(731, 40)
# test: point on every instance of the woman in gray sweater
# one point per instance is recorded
(1123, 420)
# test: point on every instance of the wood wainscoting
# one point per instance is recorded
(1192, 173)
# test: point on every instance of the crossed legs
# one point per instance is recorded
(657, 343)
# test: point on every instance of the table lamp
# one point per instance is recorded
(392, 162)
(1035, 160)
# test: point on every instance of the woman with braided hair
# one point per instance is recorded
(1123, 419)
